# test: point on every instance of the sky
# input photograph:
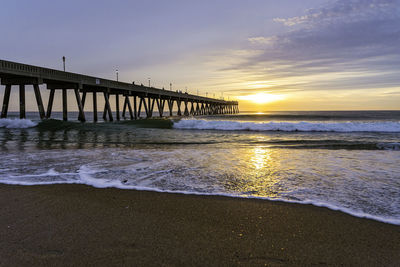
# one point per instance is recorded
(268, 55)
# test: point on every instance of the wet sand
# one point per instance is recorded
(79, 225)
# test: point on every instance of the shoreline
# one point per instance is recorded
(328, 206)
(79, 225)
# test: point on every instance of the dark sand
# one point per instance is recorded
(80, 225)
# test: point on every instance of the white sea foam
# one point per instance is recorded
(110, 183)
(360, 183)
(50, 172)
(85, 174)
(288, 126)
(17, 123)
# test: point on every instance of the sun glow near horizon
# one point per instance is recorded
(262, 98)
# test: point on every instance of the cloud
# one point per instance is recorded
(344, 10)
(360, 37)
(263, 40)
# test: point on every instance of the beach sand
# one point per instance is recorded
(80, 225)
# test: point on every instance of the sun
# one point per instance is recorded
(261, 98)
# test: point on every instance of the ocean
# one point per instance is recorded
(343, 160)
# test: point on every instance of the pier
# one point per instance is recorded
(136, 98)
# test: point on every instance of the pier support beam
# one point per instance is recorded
(81, 116)
(124, 109)
(146, 108)
(130, 108)
(186, 112)
(150, 107)
(134, 107)
(64, 104)
(140, 107)
(178, 103)
(22, 114)
(6, 101)
(192, 108)
(107, 108)
(160, 106)
(39, 101)
(83, 99)
(50, 103)
(143, 101)
(170, 106)
(94, 107)
(117, 106)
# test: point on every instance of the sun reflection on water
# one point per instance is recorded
(261, 157)
(259, 173)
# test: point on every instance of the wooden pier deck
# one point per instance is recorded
(17, 74)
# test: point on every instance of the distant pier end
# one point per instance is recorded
(17, 74)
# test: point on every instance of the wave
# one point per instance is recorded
(288, 126)
(17, 123)
(375, 115)
(85, 178)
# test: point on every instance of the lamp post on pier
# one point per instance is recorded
(63, 59)
(116, 72)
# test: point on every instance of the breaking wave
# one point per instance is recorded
(17, 123)
(387, 126)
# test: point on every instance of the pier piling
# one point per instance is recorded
(64, 104)
(22, 114)
(94, 107)
(39, 101)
